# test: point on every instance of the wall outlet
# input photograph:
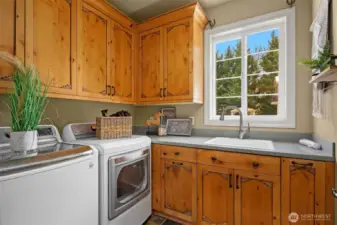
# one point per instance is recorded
(192, 118)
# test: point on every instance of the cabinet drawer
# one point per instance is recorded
(256, 163)
(178, 153)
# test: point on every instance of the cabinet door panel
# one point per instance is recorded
(151, 65)
(257, 199)
(179, 197)
(303, 189)
(215, 194)
(11, 36)
(178, 82)
(156, 177)
(94, 53)
(122, 63)
(51, 43)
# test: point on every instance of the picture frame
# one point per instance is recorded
(169, 112)
(179, 127)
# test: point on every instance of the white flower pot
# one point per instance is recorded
(23, 141)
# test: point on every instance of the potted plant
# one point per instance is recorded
(27, 102)
(321, 62)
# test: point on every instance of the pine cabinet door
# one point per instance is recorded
(11, 36)
(216, 195)
(178, 77)
(257, 199)
(303, 190)
(93, 53)
(156, 177)
(179, 189)
(151, 66)
(122, 59)
(51, 43)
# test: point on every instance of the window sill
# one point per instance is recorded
(252, 123)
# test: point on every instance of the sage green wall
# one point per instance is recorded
(237, 10)
(61, 111)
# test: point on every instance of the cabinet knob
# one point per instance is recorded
(256, 164)
(214, 158)
(177, 153)
(164, 153)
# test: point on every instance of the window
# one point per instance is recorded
(251, 64)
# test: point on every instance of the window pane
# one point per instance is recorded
(262, 105)
(228, 87)
(224, 102)
(263, 41)
(263, 84)
(263, 62)
(228, 68)
(229, 49)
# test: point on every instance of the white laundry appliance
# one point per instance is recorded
(55, 184)
(124, 171)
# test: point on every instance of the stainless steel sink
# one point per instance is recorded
(242, 143)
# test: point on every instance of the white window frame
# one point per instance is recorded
(284, 21)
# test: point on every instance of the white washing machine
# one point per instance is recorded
(124, 174)
(55, 184)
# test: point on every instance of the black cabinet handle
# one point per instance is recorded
(164, 153)
(237, 182)
(230, 181)
(214, 158)
(177, 153)
(108, 90)
(178, 164)
(114, 90)
(302, 164)
(165, 92)
(256, 164)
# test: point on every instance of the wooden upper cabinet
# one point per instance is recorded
(178, 60)
(180, 41)
(151, 66)
(11, 36)
(93, 53)
(257, 199)
(216, 195)
(122, 63)
(303, 189)
(51, 43)
(179, 189)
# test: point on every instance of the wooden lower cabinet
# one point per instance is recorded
(306, 190)
(156, 177)
(194, 190)
(257, 199)
(216, 195)
(179, 189)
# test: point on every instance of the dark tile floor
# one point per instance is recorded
(157, 220)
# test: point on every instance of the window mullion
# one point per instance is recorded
(244, 100)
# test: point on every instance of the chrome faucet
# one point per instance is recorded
(243, 130)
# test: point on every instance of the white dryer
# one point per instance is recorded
(124, 174)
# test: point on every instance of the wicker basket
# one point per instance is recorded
(113, 127)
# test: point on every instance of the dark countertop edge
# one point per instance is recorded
(246, 151)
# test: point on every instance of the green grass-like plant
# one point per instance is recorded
(28, 100)
(322, 58)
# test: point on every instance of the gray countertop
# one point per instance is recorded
(282, 149)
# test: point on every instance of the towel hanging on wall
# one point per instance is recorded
(319, 29)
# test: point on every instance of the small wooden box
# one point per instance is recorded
(113, 127)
